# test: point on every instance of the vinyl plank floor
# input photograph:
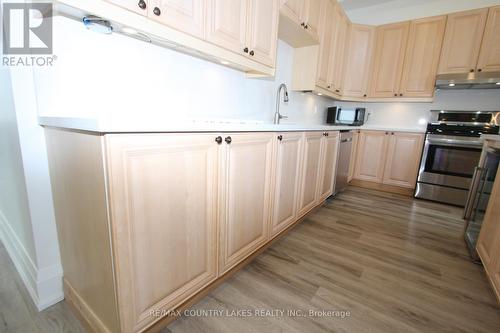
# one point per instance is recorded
(392, 263)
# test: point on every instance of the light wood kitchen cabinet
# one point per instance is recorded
(358, 60)
(327, 33)
(336, 66)
(311, 169)
(488, 244)
(403, 158)
(462, 41)
(328, 164)
(137, 6)
(354, 149)
(245, 196)
(489, 56)
(422, 57)
(388, 60)
(293, 9)
(164, 223)
(247, 27)
(312, 16)
(286, 180)
(184, 15)
(371, 155)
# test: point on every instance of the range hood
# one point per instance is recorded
(488, 80)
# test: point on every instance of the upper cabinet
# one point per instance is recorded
(357, 60)
(312, 15)
(263, 30)
(305, 15)
(422, 57)
(489, 57)
(462, 41)
(326, 32)
(185, 15)
(336, 68)
(293, 9)
(388, 59)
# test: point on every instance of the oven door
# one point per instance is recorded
(449, 160)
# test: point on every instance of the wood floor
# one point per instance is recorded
(378, 262)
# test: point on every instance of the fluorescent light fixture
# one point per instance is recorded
(224, 62)
(320, 94)
(451, 84)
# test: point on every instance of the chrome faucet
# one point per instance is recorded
(277, 115)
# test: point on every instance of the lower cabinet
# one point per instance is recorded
(147, 221)
(390, 158)
(286, 180)
(245, 195)
(488, 244)
(311, 172)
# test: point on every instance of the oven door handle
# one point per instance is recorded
(455, 143)
(471, 197)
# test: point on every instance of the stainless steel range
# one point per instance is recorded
(451, 152)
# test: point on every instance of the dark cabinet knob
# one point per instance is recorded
(364, 95)
(252, 53)
(472, 71)
(337, 90)
(245, 50)
(479, 70)
(157, 11)
(280, 137)
(392, 133)
(303, 24)
(325, 134)
(306, 26)
(400, 94)
(218, 140)
(328, 86)
(142, 4)
(395, 95)
(228, 140)
(386, 133)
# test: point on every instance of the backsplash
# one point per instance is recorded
(117, 77)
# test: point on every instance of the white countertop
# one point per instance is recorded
(120, 126)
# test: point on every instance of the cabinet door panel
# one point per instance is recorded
(227, 23)
(403, 159)
(163, 191)
(422, 57)
(327, 36)
(132, 5)
(358, 60)
(184, 15)
(245, 196)
(263, 30)
(287, 181)
(354, 150)
(370, 158)
(489, 57)
(310, 172)
(293, 9)
(312, 15)
(388, 59)
(462, 40)
(336, 66)
(329, 165)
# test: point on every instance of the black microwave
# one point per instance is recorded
(345, 116)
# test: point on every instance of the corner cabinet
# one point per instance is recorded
(245, 196)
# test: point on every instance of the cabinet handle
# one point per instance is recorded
(472, 71)
(228, 140)
(306, 26)
(142, 4)
(218, 140)
(325, 134)
(386, 133)
(337, 90)
(252, 53)
(364, 95)
(303, 24)
(400, 94)
(392, 133)
(280, 137)
(479, 70)
(328, 86)
(245, 50)
(396, 95)
(157, 11)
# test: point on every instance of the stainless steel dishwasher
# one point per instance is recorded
(343, 161)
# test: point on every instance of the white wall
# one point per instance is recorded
(403, 10)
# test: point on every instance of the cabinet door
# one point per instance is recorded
(293, 9)
(286, 180)
(336, 65)
(354, 150)
(494, 270)
(162, 191)
(370, 157)
(422, 57)
(312, 15)
(403, 159)
(388, 59)
(462, 40)
(358, 59)
(133, 5)
(227, 23)
(488, 244)
(245, 196)
(310, 172)
(328, 164)
(327, 36)
(489, 57)
(184, 15)
(262, 33)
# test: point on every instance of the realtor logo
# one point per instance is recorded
(27, 28)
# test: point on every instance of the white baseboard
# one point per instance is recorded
(43, 285)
